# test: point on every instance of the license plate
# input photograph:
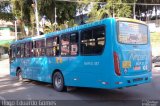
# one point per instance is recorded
(126, 64)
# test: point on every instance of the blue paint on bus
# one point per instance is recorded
(120, 60)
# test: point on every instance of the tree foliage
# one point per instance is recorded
(5, 11)
(112, 8)
(65, 10)
(23, 10)
(6, 16)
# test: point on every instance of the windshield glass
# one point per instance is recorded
(132, 33)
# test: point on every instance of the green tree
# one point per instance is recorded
(23, 12)
(5, 11)
(112, 8)
(65, 10)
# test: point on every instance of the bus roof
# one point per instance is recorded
(129, 19)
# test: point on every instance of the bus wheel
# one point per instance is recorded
(19, 75)
(58, 82)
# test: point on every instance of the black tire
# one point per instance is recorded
(58, 82)
(19, 75)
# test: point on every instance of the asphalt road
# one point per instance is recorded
(11, 89)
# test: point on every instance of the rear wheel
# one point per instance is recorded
(19, 75)
(58, 82)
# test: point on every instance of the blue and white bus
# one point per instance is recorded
(110, 53)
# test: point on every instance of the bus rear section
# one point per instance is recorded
(132, 55)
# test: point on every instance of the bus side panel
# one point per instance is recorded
(92, 71)
(55, 64)
(13, 67)
(38, 68)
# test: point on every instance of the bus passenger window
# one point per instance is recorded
(22, 50)
(49, 44)
(18, 54)
(43, 51)
(99, 35)
(36, 51)
(65, 45)
(26, 49)
(42, 48)
(12, 52)
(31, 51)
(55, 46)
(49, 51)
(39, 49)
(52, 46)
(74, 44)
(92, 41)
(87, 42)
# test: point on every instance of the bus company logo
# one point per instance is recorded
(150, 103)
(59, 60)
(138, 57)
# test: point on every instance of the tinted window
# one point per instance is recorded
(22, 50)
(74, 44)
(92, 41)
(52, 46)
(31, 49)
(39, 49)
(18, 54)
(49, 42)
(28, 49)
(65, 45)
(12, 52)
(55, 46)
(69, 44)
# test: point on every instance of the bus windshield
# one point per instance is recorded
(132, 33)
